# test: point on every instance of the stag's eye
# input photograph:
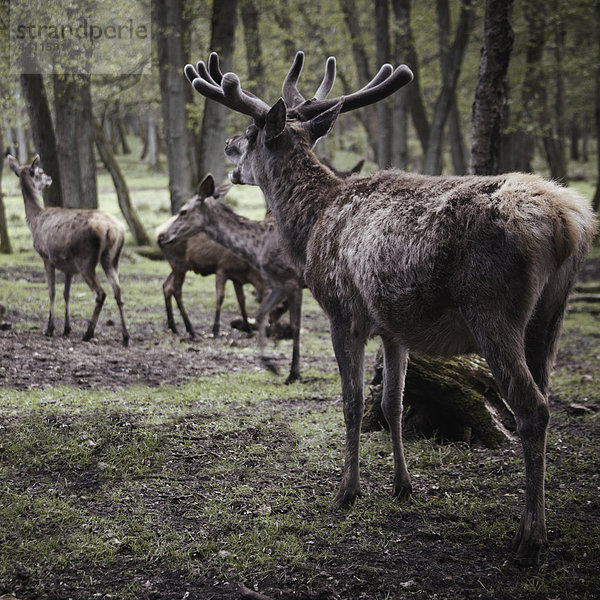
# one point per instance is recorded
(251, 132)
(183, 212)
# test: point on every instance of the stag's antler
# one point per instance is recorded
(227, 90)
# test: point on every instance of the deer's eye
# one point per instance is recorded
(251, 132)
(183, 212)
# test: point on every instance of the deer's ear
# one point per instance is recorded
(275, 120)
(13, 164)
(321, 125)
(221, 191)
(207, 186)
(36, 161)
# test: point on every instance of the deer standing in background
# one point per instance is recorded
(254, 241)
(442, 265)
(202, 255)
(72, 241)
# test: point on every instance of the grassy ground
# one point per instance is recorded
(175, 470)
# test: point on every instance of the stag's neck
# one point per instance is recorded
(33, 203)
(242, 236)
(298, 190)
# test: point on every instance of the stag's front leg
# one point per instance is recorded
(349, 348)
(395, 363)
(51, 279)
(295, 302)
(67, 295)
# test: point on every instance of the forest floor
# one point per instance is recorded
(178, 469)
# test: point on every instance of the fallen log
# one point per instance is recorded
(450, 399)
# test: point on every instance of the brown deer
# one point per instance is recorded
(202, 255)
(441, 265)
(72, 241)
(256, 242)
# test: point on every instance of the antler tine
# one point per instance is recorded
(214, 68)
(190, 72)
(240, 100)
(328, 80)
(384, 72)
(291, 95)
(373, 93)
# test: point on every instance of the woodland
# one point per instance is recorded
(180, 467)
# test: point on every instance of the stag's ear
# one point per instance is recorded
(36, 161)
(275, 120)
(207, 186)
(321, 125)
(13, 164)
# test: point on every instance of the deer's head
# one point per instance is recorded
(193, 215)
(33, 171)
(293, 120)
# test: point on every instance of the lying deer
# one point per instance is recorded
(202, 255)
(254, 241)
(72, 241)
(442, 265)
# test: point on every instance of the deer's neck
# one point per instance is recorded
(242, 236)
(33, 203)
(298, 190)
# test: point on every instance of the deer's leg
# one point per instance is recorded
(349, 352)
(113, 278)
(241, 298)
(509, 367)
(220, 281)
(51, 279)
(295, 303)
(264, 309)
(168, 290)
(91, 279)
(67, 295)
(178, 293)
(395, 363)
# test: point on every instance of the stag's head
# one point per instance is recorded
(39, 179)
(293, 120)
(193, 215)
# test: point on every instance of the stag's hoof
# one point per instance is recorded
(67, 332)
(402, 492)
(49, 332)
(345, 498)
(291, 378)
(125, 341)
(88, 336)
(269, 363)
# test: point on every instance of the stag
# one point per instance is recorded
(72, 241)
(202, 255)
(256, 242)
(441, 265)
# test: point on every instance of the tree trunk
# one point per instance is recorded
(214, 121)
(5, 247)
(171, 41)
(383, 107)
(254, 55)
(596, 200)
(451, 63)
(490, 93)
(409, 56)
(450, 399)
(458, 152)
(140, 237)
(74, 140)
(368, 115)
(42, 130)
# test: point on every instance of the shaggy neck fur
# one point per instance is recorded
(33, 204)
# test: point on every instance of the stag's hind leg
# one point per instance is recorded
(67, 296)
(504, 349)
(395, 363)
(110, 268)
(51, 280)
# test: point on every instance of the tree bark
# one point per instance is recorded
(214, 120)
(409, 56)
(450, 399)
(368, 115)
(140, 237)
(74, 140)
(490, 93)
(171, 40)
(383, 107)
(42, 131)
(596, 200)
(254, 55)
(451, 64)
(5, 247)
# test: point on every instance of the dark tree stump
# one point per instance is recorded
(450, 399)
